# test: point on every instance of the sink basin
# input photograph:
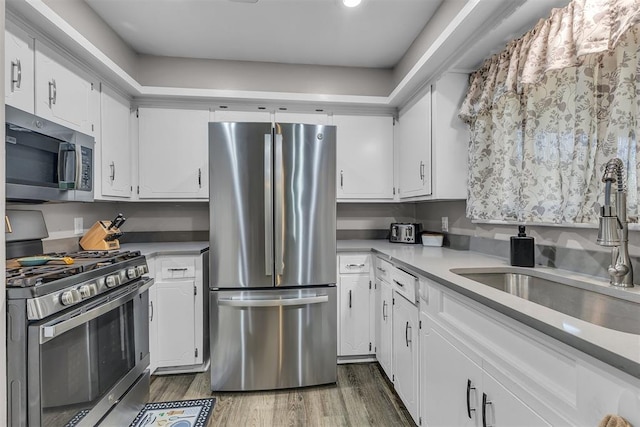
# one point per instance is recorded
(563, 295)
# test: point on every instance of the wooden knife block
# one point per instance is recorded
(95, 238)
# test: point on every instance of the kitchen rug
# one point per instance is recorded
(177, 413)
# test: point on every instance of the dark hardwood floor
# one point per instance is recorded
(362, 397)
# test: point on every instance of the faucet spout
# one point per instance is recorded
(614, 228)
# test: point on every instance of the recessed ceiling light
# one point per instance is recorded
(351, 3)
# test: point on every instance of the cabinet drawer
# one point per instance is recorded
(404, 283)
(383, 270)
(177, 268)
(354, 263)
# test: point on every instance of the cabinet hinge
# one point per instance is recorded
(195, 290)
(393, 301)
(138, 189)
(91, 86)
(420, 324)
(137, 112)
(394, 191)
(131, 189)
(420, 421)
(398, 190)
(92, 128)
(393, 377)
(369, 346)
(196, 352)
(369, 284)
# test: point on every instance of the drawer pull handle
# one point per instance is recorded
(349, 298)
(384, 311)
(151, 317)
(485, 403)
(355, 265)
(179, 269)
(398, 283)
(469, 408)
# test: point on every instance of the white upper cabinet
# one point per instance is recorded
(173, 153)
(18, 68)
(450, 138)
(305, 118)
(64, 93)
(115, 144)
(240, 116)
(414, 163)
(433, 143)
(364, 157)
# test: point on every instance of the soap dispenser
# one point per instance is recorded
(522, 249)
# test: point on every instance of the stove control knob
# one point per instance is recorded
(113, 280)
(142, 269)
(88, 290)
(132, 273)
(70, 297)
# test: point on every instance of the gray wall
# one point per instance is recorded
(262, 76)
(431, 213)
(81, 17)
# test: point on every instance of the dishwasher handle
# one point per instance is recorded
(278, 302)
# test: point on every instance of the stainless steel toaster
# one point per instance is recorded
(405, 232)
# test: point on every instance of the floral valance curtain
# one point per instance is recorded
(550, 110)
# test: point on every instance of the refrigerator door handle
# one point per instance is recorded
(279, 205)
(268, 206)
(230, 302)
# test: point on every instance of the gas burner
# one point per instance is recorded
(83, 261)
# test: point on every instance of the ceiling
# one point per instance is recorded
(319, 32)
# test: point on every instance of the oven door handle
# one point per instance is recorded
(49, 332)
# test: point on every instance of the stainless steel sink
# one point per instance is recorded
(563, 295)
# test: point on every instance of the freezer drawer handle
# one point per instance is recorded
(178, 269)
(355, 265)
(230, 302)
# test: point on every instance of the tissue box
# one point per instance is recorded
(432, 239)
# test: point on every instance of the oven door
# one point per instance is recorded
(82, 361)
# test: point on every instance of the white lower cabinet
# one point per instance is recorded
(457, 392)
(384, 348)
(405, 353)
(354, 303)
(176, 330)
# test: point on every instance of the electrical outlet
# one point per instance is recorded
(78, 226)
(445, 223)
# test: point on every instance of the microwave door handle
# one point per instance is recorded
(67, 178)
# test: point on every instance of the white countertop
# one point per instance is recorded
(166, 248)
(619, 349)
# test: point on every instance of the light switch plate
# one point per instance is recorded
(78, 225)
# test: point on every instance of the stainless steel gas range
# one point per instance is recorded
(78, 340)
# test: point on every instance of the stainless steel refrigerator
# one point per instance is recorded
(273, 255)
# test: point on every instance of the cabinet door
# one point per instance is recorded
(175, 314)
(307, 118)
(354, 315)
(18, 68)
(405, 353)
(385, 343)
(115, 144)
(415, 149)
(173, 153)
(448, 379)
(240, 116)
(503, 408)
(65, 94)
(364, 157)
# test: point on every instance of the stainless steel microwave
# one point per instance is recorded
(46, 161)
